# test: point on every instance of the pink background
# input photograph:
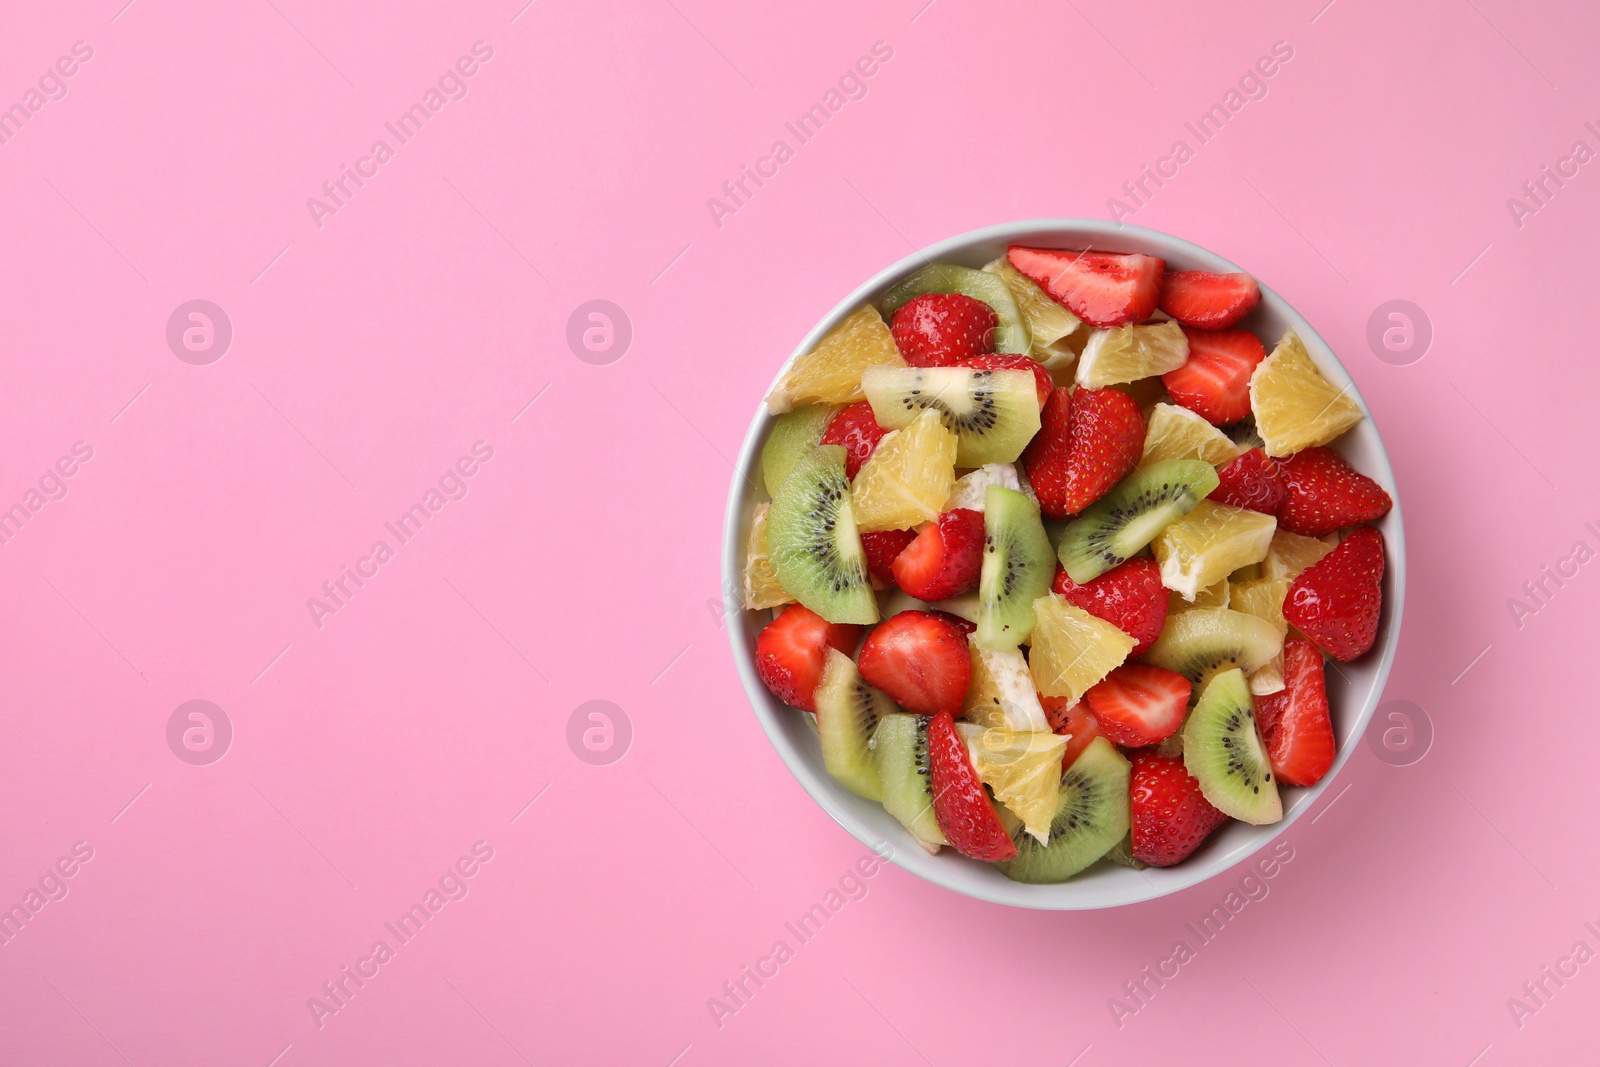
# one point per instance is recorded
(369, 354)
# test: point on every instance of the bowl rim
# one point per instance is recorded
(1106, 236)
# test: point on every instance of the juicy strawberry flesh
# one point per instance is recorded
(1336, 602)
(920, 659)
(1088, 441)
(1104, 289)
(1129, 596)
(941, 329)
(793, 649)
(1170, 816)
(1077, 722)
(1252, 480)
(855, 428)
(881, 548)
(963, 809)
(1324, 494)
(1294, 721)
(945, 559)
(1012, 361)
(1208, 301)
(1215, 382)
(1139, 704)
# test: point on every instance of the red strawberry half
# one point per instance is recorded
(1010, 361)
(1087, 442)
(1208, 301)
(1252, 480)
(881, 548)
(941, 329)
(1139, 704)
(859, 433)
(1215, 382)
(920, 659)
(1294, 721)
(1104, 289)
(1337, 600)
(1170, 816)
(1129, 596)
(1325, 493)
(963, 809)
(1077, 722)
(791, 652)
(945, 558)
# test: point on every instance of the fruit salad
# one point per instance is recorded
(1055, 554)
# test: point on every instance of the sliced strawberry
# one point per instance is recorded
(881, 547)
(1215, 382)
(920, 659)
(1294, 721)
(791, 652)
(945, 559)
(1104, 289)
(859, 433)
(1077, 722)
(1252, 480)
(1009, 361)
(1325, 493)
(1337, 600)
(965, 813)
(1139, 704)
(941, 329)
(1208, 301)
(1088, 441)
(1129, 596)
(1170, 816)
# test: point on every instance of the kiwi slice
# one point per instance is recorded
(848, 710)
(1012, 332)
(1017, 568)
(1118, 525)
(812, 540)
(994, 413)
(1091, 818)
(794, 433)
(1202, 642)
(1224, 753)
(900, 752)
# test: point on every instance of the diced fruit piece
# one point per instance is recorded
(1022, 768)
(761, 586)
(1104, 289)
(1252, 481)
(1268, 678)
(1243, 433)
(1072, 650)
(1012, 361)
(1088, 441)
(1129, 596)
(1290, 553)
(1178, 433)
(963, 809)
(1138, 704)
(1295, 406)
(941, 329)
(792, 651)
(1017, 565)
(993, 413)
(854, 428)
(1047, 321)
(1091, 816)
(1135, 513)
(1337, 601)
(1171, 817)
(881, 548)
(1209, 543)
(1209, 301)
(1011, 332)
(1075, 721)
(962, 609)
(900, 754)
(1263, 598)
(1224, 753)
(1204, 641)
(848, 710)
(945, 558)
(1212, 596)
(972, 489)
(920, 660)
(1001, 692)
(908, 478)
(831, 372)
(1215, 382)
(813, 543)
(1129, 353)
(1324, 493)
(1295, 723)
(794, 434)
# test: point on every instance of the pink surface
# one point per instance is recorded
(376, 747)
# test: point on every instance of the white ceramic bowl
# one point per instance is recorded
(1353, 688)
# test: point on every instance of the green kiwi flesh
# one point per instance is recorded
(794, 434)
(1017, 568)
(993, 413)
(1223, 751)
(1202, 642)
(900, 752)
(1012, 333)
(812, 540)
(848, 710)
(1120, 524)
(1091, 818)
